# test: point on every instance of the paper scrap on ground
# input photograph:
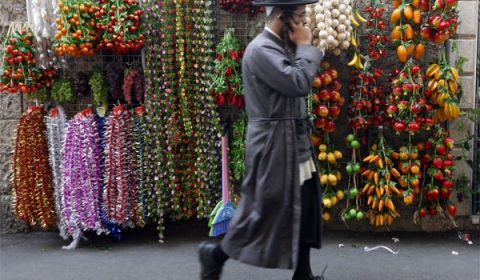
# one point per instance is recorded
(455, 253)
(341, 245)
(367, 249)
(395, 240)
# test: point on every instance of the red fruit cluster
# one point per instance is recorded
(442, 22)
(440, 162)
(20, 72)
(375, 32)
(326, 98)
(120, 25)
(407, 109)
(367, 98)
(227, 79)
(241, 7)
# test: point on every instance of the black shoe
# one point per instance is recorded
(321, 277)
(209, 268)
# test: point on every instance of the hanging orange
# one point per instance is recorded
(408, 12)
(396, 14)
(396, 33)
(419, 50)
(408, 32)
(417, 16)
(402, 53)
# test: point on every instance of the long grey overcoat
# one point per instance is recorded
(266, 227)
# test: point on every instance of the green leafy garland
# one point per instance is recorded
(207, 119)
(237, 151)
(182, 150)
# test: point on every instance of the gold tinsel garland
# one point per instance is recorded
(32, 177)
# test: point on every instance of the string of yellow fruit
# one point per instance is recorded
(329, 175)
(380, 187)
(443, 90)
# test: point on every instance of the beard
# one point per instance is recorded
(288, 44)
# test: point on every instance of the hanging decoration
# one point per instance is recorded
(440, 162)
(375, 31)
(241, 7)
(237, 149)
(33, 198)
(440, 21)
(119, 195)
(367, 93)
(184, 140)
(408, 173)
(207, 121)
(99, 88)
(329, 173)
(407, 108)
(43, 15)
(226, 79)
(326, 98)
(110, 226)
(82, 175)
(62, 91)
(80, 84)
(353, 170)
(406, 19)
(367, 98)
(133, 82)
(56, 125)
(331, 22)
(139, 138)
(19, 71)
(355, 42)
(114, 76)
(76, 28)
(120, 22)
(380, 188)
(443, 89)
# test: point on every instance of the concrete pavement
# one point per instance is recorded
(422, 256)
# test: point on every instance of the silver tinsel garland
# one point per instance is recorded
(56, 125)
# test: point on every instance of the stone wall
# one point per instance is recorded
(246, 28)
(467, 47)
(10, 105)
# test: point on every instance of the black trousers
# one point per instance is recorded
(311, 217)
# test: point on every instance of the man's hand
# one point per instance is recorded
(300, 33)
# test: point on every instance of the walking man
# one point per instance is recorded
(278, 218)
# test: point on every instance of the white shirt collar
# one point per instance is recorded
(272, 32)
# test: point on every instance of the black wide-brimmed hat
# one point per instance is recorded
(282, 2)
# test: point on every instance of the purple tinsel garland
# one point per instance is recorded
(82, 175)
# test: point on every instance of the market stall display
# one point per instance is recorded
(147, 149)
